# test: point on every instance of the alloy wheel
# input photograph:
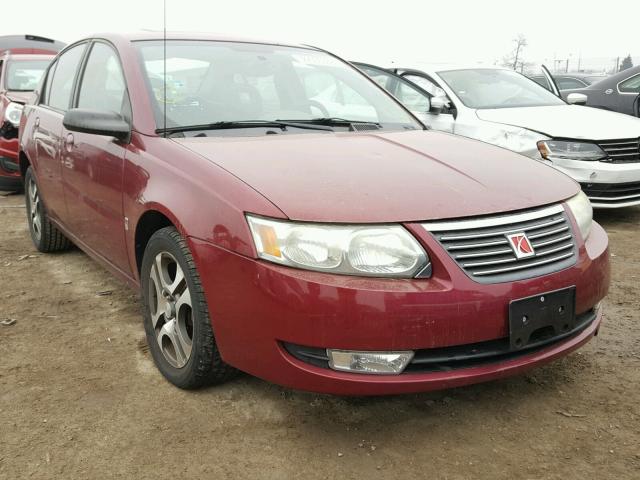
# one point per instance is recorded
(171, 309)
(35, 209)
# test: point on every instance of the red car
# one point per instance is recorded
(284, 216)
(23, 60)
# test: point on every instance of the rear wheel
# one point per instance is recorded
(176, 317)
(44, 234)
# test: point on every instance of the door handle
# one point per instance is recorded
(36, 128)
(68, 142)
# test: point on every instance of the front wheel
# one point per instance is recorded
(176, 317)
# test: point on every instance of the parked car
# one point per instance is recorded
(345, 256)
(23, 60)
(567, 81)
(618, 93)
(19, 77)
(599, 149)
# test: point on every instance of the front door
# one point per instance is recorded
(444, 119)
(93, 165)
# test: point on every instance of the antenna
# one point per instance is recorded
(164, 66)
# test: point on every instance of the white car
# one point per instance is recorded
(599, 149)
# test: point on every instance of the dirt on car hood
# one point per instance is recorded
(567, 121)
(384, 177)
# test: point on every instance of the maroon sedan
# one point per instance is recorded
(284, 216)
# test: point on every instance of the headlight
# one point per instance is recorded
(562, 149)
(373, 251)
(581, 208)
(13, 113)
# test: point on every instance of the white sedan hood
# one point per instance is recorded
(567, 121)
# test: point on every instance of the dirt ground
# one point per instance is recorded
(81, 398)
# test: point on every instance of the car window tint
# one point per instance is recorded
(541, 80)
(631, 85)
(567, 83)
(208, 82)
(428, 85)
(385, 79)
(497, 88)
(102, 87)
(411, 97)
(63, 78)
(25, 75)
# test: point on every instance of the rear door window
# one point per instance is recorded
(630, 85)
(569, 83)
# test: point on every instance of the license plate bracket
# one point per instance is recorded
(540, 317)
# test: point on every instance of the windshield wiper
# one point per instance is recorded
(283, 125)
(333, 122)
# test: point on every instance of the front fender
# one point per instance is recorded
(201, 199)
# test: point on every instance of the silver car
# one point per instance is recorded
(599, 149)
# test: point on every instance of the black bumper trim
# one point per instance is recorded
(455, 357)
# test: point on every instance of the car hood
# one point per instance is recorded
(21, 97)
(567, 121)
(385, 177)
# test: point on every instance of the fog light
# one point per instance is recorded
(379, 363)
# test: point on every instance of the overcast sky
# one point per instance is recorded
(373, 31)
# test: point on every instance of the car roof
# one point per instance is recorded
(29, 44)
(206, 36)
(444, 67)
(629, 72)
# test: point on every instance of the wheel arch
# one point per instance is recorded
(152, 219)
(23, 163)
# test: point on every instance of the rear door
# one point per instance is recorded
(47, 129)
(93, 165)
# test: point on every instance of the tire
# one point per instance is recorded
(176, 317)
(45, 235)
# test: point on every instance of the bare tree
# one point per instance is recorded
(514, 59)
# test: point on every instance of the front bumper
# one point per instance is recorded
(257, 307)
(10, 179)
(9, 169)
(597, 176)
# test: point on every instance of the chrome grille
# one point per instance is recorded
(481, 247)
(622, 151)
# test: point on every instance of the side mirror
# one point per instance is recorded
(437, 105)
(577, 99)
(97, 123)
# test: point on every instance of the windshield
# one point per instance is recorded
(25, 75)
(209, 82)
(495, 88)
